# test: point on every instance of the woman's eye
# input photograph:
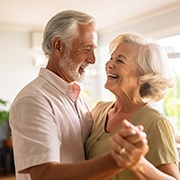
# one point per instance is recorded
(119, 60)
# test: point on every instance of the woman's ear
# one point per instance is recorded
(140, 81)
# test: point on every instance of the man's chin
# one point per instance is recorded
(80, 78)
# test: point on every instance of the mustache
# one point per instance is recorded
(84, 65)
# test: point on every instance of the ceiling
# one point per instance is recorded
(33, 15)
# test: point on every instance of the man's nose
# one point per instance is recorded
(91, 57)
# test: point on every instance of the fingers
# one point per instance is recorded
(128, 145)
(140, 127)
(138, 136)
(140, 144)
(126, 124)
(123, 160)
(132, 133)
(129, 157)
(118, 142)
(129, 135)
(127, 132)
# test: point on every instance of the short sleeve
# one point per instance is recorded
(161, 141)
(34, 130)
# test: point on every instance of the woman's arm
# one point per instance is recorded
(144, 170)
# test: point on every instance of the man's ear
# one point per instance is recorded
(57, 45)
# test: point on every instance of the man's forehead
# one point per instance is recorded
(88, 38)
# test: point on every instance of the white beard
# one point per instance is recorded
(71, 68)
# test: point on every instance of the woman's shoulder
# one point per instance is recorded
(101, 109)
(102, 105)
(155, 118)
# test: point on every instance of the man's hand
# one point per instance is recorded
(128, 145)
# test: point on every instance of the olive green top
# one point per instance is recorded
(159, 130)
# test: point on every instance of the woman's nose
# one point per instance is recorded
(110, 64)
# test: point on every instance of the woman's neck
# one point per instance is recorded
(119, 112)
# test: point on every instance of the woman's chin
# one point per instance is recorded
(106, 86)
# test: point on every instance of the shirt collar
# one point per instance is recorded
(71, 89)
(74, 90)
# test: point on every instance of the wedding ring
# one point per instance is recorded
(122, 150)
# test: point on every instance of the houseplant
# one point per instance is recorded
(4, 114)
(4, 117)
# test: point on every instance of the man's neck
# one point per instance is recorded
(58, 70)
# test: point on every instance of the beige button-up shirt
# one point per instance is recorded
(49, 123)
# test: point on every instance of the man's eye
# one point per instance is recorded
(87, 49)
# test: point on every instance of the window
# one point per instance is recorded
(171, 102)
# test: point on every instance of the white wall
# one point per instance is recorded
(16, 62)
(16, 53)
(158, 25)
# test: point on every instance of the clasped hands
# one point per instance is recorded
(128, 145)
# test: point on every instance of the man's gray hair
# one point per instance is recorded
(65, 26)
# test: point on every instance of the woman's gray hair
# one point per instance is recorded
(65, 26)
(152, 66)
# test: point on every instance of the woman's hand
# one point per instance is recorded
(128, 145)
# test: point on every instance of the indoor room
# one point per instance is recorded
(22, 24)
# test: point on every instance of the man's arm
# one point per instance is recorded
(98, 168)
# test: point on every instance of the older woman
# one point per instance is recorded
(136, 75)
